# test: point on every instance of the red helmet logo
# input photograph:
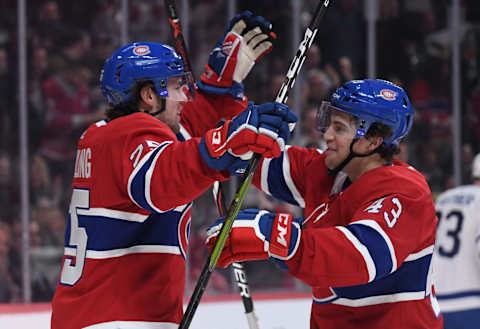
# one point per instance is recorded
(388, 94)
(141, 50)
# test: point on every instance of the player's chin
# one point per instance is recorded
(331, 160)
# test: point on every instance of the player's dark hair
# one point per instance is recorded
(378, 129)
(131, 106)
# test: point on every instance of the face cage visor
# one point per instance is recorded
(178, 88)
(324, 120)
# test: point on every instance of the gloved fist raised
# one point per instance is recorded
(258, 234)
(262, 129)
(246, 39)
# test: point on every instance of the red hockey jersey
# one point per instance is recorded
(129, 218)
(366, 247)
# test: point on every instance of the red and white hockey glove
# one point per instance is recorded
(258, 234)
(246, 40)
(262, 129)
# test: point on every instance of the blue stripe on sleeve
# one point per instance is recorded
(377, 247)
(410, 277)
(276, 182)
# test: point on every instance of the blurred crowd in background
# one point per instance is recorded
(67, 43)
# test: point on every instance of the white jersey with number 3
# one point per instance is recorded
(457, 249)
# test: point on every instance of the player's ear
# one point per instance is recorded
(147, 95)
(374, 142)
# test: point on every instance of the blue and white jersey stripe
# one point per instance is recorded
(460, 301)
(374, 245)
(140, 179)
(183, 134)
(277, 181)
(113, 233)
(409, 282)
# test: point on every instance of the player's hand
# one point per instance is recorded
(257, 234)
(262, 129)
(277, 121)
(246, 40)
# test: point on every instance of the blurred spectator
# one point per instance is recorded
(343, 34)
(9, 291)
(470, 60)
(310, 136)
(49, 25)
(67, 102)
(271, 88)
(40, 181)
(42, 289)
(51, 222)
(38, 72)
(316, 89)
(473, 119)
(431, 168)
(9, 192)
(313, 58)
(47, 250)
(6, 92)
(467, 155)
(345, 68)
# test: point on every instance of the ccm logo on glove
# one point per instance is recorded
(282, 228)
(281, 235)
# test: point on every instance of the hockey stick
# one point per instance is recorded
(180, 45)
(239, 196)
(238, 270)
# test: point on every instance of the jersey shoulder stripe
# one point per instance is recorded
(409, 282)
(375, 242)
(139, 180)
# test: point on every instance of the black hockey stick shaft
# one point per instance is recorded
(238, 270)
(180, 44)
(239, 196)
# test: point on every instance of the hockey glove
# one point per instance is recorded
(258, 234)
(262, 129)
(246, 40)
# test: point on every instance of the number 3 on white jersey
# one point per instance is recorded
(78, 239)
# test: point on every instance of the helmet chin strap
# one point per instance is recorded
(163, 106)
(350, 156)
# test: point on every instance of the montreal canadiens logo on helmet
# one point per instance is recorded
(141, 50)
(388, 94)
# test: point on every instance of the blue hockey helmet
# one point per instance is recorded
(143, 61)
(372, 100)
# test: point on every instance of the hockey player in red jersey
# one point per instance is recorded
(138, 171)
(366, 242)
